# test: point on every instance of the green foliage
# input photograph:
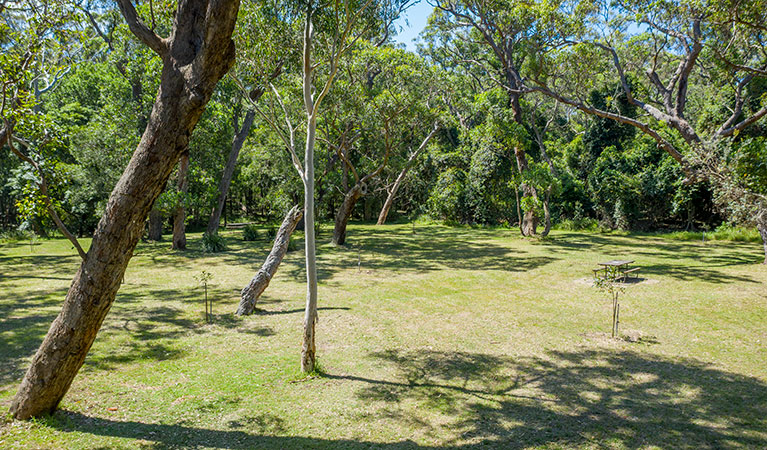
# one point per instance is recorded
(250, 233)
(213, 243)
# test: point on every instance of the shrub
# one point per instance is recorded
(16, 235)
(292, 245)
(271, 232)
(250, 233)
(213, 243)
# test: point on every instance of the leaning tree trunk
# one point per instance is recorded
(198, 53)
(226, 178)
(179, 215)
(260, 282)
(345, 212)
(761, 225)
(155, 225)
(401, 177)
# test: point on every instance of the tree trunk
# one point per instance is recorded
(260, 282)
(155, 225)
(344, 212)
(226, 178)
(401, 177)
(196, 55)
(179, 215)
(308, 349)
(546, 213)
(529, 224)
(762, 227)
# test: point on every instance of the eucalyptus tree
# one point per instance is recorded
(501, 40)
(695, 74)
(386, 101)
(35, 37)
(196, 54)
(340, 25)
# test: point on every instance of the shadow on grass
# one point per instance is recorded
(567, 399)
(676, 256)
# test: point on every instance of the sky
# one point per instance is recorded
(417, 16)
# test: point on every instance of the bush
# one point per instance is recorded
(16, 235)
(250, 233)
(213, 243)
(271, 232)
(585, 224)
(292, 245)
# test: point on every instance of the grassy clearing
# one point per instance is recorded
(449, 337)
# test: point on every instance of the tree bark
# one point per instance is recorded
(529, 224)
(179, 215)
(345, 212)
(401, 177)
(260, 281)
(546, 213)
(155, 225)
(762, 227)
(226, 178)
(198, 53)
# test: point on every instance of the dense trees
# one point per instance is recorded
(639, 115)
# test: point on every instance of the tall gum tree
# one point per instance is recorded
(696, 77)
(198, 52)
(494, 39)
(342, 24)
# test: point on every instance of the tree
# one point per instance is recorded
(198, 52)
(383, 91)
(689, 53)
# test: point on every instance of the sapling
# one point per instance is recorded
(608, 284)
(203, 279)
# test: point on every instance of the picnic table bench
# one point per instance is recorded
(617, 269)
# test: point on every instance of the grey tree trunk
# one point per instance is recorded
(226, 178)
(546, 213)
(401, 177)
(155, 225)
(196, 55)
(260, 281)
(345, 212)
(179, 215)
(762, 227)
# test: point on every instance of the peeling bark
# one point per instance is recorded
(196, 55)
(260, 281)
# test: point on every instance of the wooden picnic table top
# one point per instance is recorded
(616, 262)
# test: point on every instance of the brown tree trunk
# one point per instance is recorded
(762, 227)
(401, 177)
(260, 282)
(179, 215)
(226, 178)
(155, 225)
(529, 225)
(344, 212)
(196, 55)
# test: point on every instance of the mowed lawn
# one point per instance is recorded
(449, 337)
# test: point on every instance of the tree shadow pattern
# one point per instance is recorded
(595, 398)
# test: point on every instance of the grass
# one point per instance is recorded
(449, 337)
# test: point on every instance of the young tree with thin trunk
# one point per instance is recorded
(198, 52)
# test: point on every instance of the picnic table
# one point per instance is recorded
(616, 269)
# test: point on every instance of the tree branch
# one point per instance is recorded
(140, 30)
